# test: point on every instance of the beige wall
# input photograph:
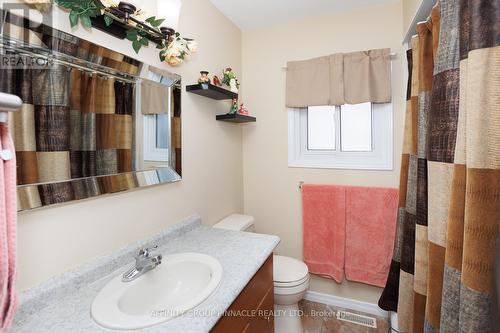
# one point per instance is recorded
(410, 8)
(53, 240)
(270, 186)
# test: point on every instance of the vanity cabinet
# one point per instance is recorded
(252, 310)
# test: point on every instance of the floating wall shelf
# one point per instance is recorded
(236, 118)
(218, 93)
(211, 91)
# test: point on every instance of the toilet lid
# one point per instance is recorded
(286, 269)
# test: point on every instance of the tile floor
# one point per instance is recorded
(320, 318)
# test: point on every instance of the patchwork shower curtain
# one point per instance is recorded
(441, 275)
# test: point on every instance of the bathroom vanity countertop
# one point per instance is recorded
(62, 304)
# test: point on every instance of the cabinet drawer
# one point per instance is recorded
(250, 298)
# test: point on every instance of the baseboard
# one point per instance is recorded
(347, 303)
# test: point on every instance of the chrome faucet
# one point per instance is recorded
(145, 261)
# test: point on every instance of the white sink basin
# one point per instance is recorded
(178, 284)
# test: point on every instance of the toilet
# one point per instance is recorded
(291, 279)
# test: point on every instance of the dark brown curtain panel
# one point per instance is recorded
(441, 278)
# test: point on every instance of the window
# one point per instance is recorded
(356, 127)
(321, 128)
(355, 136)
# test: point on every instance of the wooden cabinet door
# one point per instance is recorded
(257, 293)
(263, 321)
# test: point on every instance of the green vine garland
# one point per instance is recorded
(83, 10)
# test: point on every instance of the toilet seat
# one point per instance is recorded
(289, 272)
(291, 284)
(291, 290)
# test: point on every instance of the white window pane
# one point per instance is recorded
(321, 127)
(356, 127)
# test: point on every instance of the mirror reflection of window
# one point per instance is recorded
(162, 131)
(157, 124)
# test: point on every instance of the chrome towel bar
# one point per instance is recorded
(8, 103)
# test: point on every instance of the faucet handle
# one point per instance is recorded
(147, 251)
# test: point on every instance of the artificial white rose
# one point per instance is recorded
(41, 5)
(174, 61)
(173, 51)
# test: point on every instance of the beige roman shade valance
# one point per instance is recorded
(341, 78)
(305, 82)
(154, 97)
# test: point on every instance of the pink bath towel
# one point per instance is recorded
(8, 223)
(370, 232)
(323, 210)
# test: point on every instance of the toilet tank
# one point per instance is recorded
(236, 222)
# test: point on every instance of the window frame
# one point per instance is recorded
(380, 158)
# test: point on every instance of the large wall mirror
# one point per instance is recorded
(93, 121)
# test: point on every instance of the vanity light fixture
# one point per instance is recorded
(123, 14)
(122, 21)
(127, 8)
(122, 18)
